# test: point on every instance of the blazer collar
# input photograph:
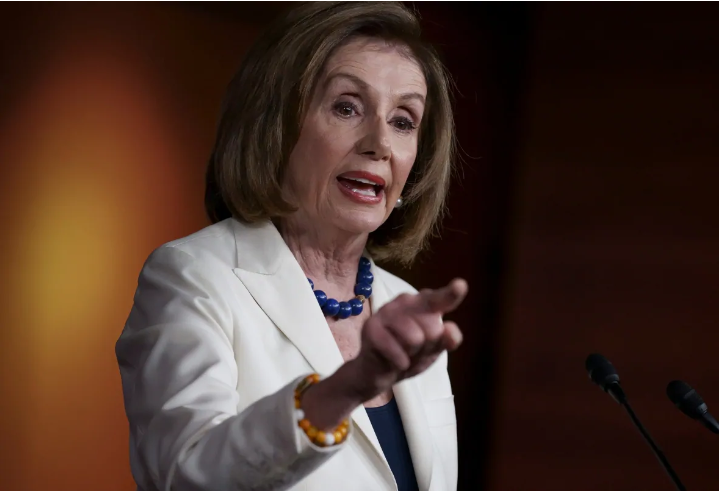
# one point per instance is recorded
(272, 275)
(269, 271)
(259, 247)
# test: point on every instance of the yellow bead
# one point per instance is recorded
(338, 436)
(304, 424)
(315, 378)
(343, 430)
(297, 403)
(320, 438)
(311, 432)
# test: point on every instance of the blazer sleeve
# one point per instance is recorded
(180, 380)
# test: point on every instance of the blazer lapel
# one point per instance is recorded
(276, 281)
(417, 431)
(407, 396)
(273, 277)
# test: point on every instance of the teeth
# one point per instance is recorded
(360, 179)
(365, 192)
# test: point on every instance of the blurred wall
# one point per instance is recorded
(108, 116)
(614, 249)
(583, 217)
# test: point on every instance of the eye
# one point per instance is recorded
(404, 124)
(345, 109)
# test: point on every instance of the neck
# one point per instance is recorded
(330, 260)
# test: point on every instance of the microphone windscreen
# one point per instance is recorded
(686, 399)
(600, 370)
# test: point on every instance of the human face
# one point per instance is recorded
(358, 140)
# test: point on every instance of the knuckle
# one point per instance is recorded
(405, 296)
(413, 338)
(402, 363)
(389, 309)
(436, 330)
(392, 312)
(374, 334)
(403, 299)
(371, 325)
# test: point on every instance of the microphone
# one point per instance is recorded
(690, 403)
(603, 373)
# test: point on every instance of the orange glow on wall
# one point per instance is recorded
(103, 146)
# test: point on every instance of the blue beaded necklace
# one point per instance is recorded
(354, 306)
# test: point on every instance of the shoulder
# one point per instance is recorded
(219, 249)
(394, 284)
(187, 279)
(214, 243)
(202, 259)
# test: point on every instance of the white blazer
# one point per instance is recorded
(223, 326)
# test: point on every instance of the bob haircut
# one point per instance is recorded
(265, 104)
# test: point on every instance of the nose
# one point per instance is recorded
(375, 143)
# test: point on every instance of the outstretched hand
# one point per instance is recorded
(406, 336)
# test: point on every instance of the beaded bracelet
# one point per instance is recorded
(321, 438)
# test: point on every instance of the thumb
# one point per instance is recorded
(445, 299)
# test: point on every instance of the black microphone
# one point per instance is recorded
(690, 403)
(603, 373)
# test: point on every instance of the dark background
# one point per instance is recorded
(583, 215)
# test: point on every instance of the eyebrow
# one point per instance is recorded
(364, 85)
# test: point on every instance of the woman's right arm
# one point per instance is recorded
(179, 378)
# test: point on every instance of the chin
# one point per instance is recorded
(360, 222)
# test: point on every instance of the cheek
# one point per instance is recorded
(321, 148)
(308, 162)
(403, 165)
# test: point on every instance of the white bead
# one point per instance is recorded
(299, 414)
(329, 438)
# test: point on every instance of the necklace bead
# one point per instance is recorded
(321, 297)
(365, 277)
(344, 311)
(364, 264)
(331, 307)
(363, 289)
(354, 306)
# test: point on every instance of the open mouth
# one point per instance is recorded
(361, 186)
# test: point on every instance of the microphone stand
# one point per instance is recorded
(656, 450)
(602, 373)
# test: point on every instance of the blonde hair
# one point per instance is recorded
(264, 108)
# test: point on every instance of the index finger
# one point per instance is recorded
(445, 299)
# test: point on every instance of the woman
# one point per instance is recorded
(334, 145)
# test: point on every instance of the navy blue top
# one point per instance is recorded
(389, 429)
